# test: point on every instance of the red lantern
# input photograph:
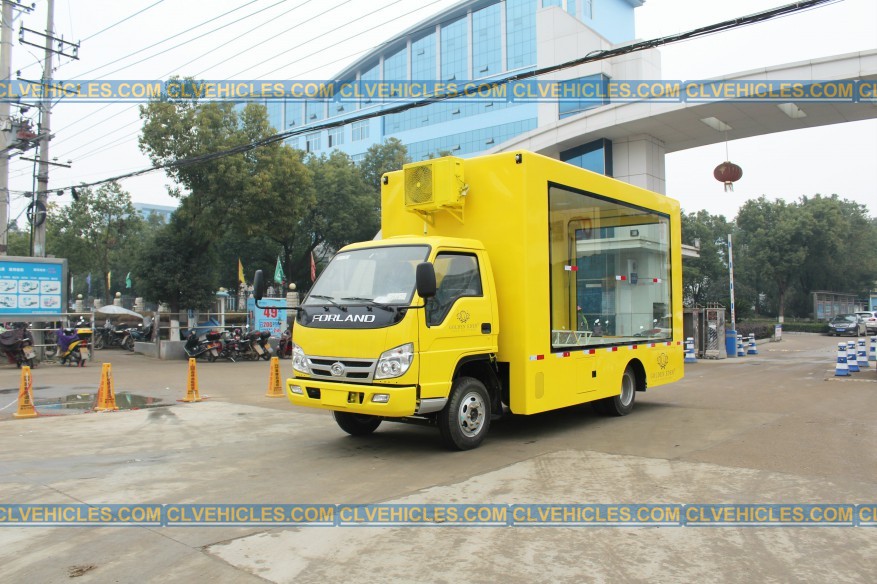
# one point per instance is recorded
(728, 173)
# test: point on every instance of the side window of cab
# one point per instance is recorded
(457, 276)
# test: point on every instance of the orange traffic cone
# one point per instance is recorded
(25, 396)
(106, 395)
(274, 388)
(192, 394)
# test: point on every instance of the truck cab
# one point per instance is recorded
(368, 346)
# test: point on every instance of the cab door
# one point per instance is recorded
(457, 322)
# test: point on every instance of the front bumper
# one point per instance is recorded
(353, 398)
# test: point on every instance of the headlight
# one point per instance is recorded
(300, 360)
(395, 362)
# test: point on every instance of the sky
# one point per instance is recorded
(315, 39)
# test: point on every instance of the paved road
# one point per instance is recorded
(772, 428)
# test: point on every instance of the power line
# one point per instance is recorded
(103, 30)
(591, 57)
(251, 47)
(101, 148)
(342, 41)
(97, 111)
(190, 29)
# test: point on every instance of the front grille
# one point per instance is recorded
(360, 370)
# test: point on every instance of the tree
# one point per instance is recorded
(381, 158)
(261, 193)
(17, 240)
(840, 249)
(774, 240)
(705, 278)
(177, 266)
(96, 232)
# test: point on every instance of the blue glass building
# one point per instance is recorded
(479, 40)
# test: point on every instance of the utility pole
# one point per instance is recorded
(5, 71)
(39, 209)
(5, 120)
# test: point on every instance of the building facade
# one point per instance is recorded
(480, 41)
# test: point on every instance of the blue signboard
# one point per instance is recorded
(32, 286)
(271, 316)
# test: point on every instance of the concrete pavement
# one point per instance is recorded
(772, 428)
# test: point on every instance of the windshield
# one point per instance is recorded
(381, 275)
(844, 318)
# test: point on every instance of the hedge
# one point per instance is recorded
(765, 330)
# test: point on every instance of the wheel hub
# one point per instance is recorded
(471, 417)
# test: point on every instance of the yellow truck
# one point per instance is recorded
(503, 283)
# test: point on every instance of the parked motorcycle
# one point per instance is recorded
(17, 344)
(110, 335)
(238, 345)
(141, 333)
(73, 345)
(255, 345)
(284, 347)
(209, 347)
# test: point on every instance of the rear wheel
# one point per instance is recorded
(357, 424)
(621, 404)
(465, 420)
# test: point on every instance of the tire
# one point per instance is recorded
(128, 343)
(210, 357)
(621, 404)
(98, 342)
(465, 420)
(266, 356)
(357, 424)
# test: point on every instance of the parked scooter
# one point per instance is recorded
(284, 347)
(17, 345)
(73, 345)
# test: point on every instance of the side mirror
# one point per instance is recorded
(426, 280)
(258, 285)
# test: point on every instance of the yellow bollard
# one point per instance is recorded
(25, 396)
(192, 394)
(274, 389)
(106, 395)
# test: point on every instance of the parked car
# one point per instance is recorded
(870, 319)
(847, 324)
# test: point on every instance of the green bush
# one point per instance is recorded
(804, 327)
(765, 329)
(761, 330)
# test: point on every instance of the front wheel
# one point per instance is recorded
(99, 342)
(128, 343)
(621, 404)
(357, 424)
(464, 421)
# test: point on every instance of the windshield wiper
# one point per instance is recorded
(370, 302)
(330, 299)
